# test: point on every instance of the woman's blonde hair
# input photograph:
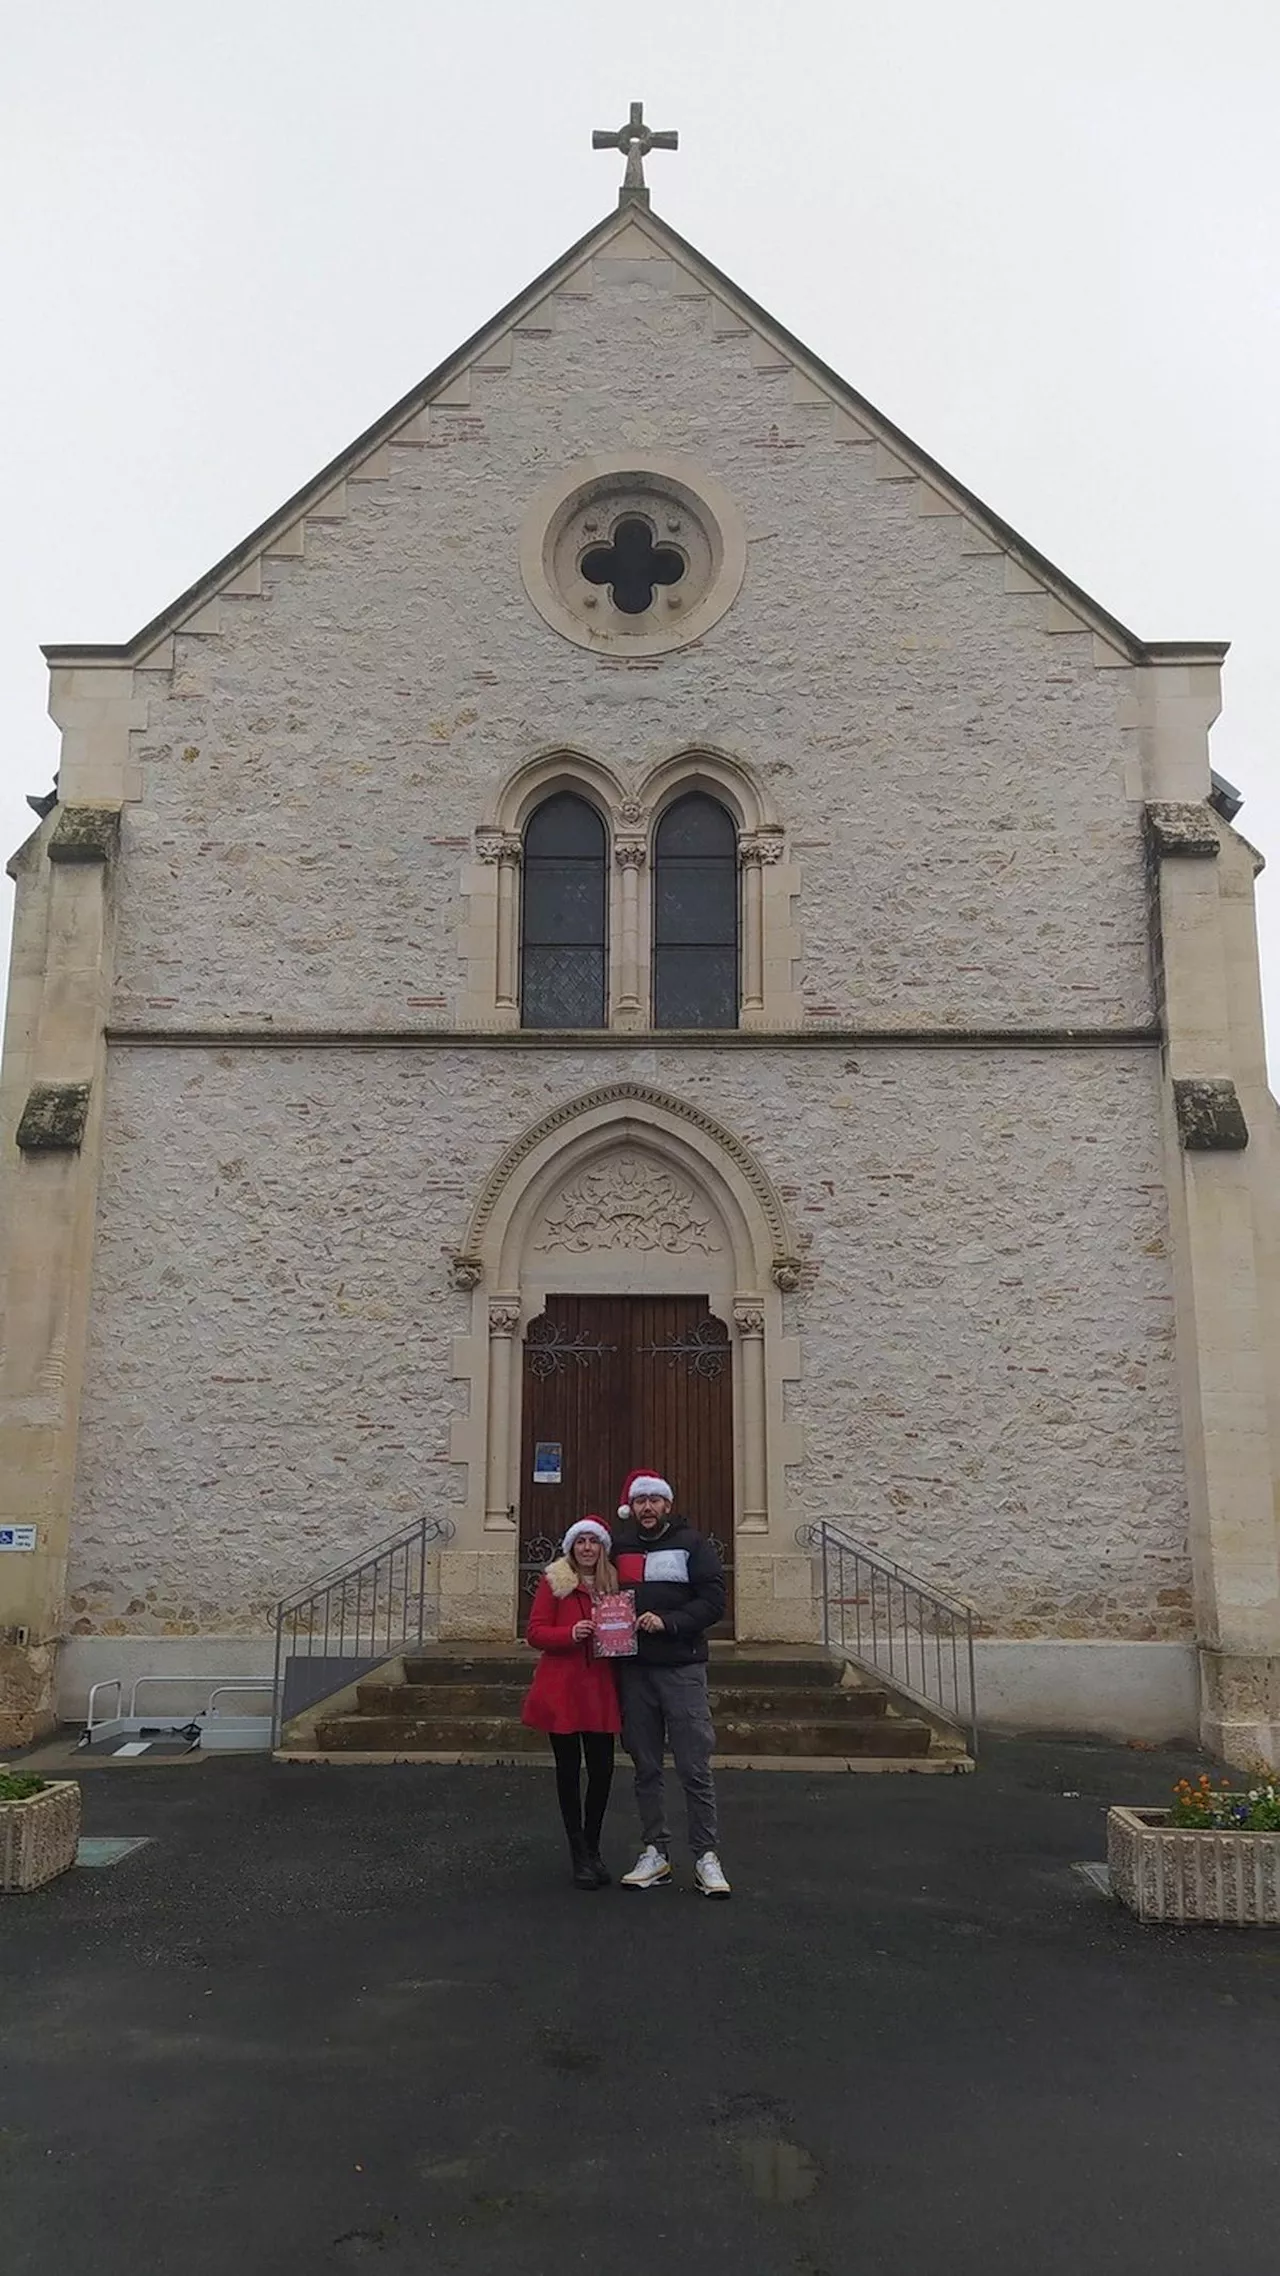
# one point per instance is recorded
(604, 1580)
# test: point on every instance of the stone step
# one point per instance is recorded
(896, 1735)
(816, 1674)
(816, 1702)
(738, 1700)
(500, 1734)
(508, 1667)
(448, 1699)
(729, 1667)
(427, 1734)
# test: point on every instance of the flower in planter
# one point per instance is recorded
(1205, 1808)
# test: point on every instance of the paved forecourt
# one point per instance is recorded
(331, 2015)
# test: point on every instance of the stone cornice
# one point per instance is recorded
(832, 1038)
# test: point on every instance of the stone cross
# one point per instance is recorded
(637, 140)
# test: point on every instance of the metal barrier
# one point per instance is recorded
(895, 1624)
(361, 1612)
(133, 1720)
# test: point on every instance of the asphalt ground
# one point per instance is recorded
(334, 2015)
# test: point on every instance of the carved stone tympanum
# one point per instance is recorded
(628, 1202)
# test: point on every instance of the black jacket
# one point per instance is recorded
(675, 1571)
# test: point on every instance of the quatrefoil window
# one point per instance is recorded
(633, 567)
(632, 559)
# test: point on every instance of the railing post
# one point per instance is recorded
(276, 1703)
(826, 1590)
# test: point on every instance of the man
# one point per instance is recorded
(679, 1591)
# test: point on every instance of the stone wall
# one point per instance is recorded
(954, 754)
(957, 776)
(985, 1327)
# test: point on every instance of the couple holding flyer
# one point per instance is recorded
(620, 1621)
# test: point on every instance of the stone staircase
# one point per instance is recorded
(776, 1706)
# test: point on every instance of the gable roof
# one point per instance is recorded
(443, 383)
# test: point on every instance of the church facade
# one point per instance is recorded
(635, 922)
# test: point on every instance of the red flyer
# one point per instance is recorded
(613, 1624)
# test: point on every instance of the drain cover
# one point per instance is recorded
(107, 1849)
(1100, 1876)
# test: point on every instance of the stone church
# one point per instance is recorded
(635, 921)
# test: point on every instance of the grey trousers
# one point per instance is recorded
(669, 1706)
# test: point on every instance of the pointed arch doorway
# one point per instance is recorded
(609, 1382)
(625, 1196)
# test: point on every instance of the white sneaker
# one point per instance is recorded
(650, 1870)
(709, 1875)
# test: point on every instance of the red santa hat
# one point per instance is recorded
(594, 1527)
(642, 1482)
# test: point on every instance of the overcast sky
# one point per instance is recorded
(1044, 241)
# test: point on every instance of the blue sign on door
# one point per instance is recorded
(546, 1464)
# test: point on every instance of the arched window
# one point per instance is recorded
(563, 929)
(695, 916)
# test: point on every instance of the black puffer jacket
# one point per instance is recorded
(676, 1571)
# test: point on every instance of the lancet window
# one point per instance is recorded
(695, 916)
(564, 916)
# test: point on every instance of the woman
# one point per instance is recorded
(573, 1697)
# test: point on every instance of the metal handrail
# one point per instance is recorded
(366, 1609)
(239, 1685)
(105, 1683)
(913, 1633)
(433, 1528)
(191, 1683)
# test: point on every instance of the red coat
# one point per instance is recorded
(570, 1691)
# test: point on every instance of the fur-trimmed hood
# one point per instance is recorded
(564, 1577)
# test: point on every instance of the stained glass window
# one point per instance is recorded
(695, 916)
(563, 933)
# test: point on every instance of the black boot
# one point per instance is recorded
(597, 1864)
(583, 1872)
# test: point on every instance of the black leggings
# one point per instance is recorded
(597, 1750)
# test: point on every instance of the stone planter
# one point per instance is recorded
(1164, 1872)
(38, 1837)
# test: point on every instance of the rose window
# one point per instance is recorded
(629, 560)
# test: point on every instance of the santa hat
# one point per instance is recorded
(594, 1526)
(642, 1482)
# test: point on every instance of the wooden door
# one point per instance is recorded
(611, 1382)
